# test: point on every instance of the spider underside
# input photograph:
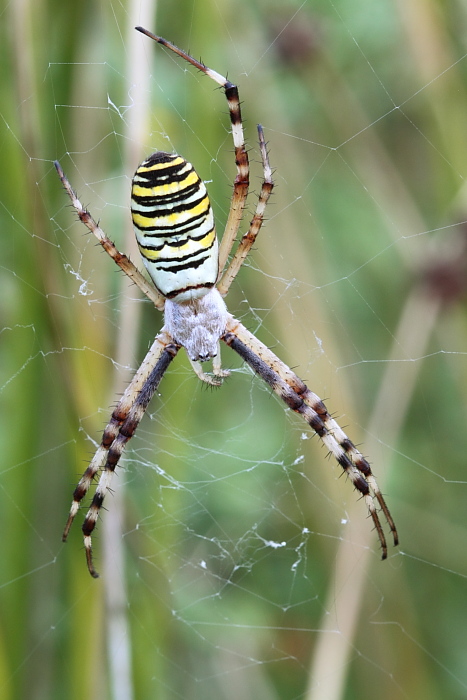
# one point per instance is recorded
(195, 315)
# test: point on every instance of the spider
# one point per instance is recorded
(174, 227)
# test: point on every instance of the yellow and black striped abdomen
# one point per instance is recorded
(174, 226)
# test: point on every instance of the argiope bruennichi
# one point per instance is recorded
(174, 227)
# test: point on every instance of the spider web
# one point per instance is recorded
(235, 560)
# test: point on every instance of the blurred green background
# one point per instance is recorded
(235, 561)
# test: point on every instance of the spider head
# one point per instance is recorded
(197, 324)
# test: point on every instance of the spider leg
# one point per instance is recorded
(316, 404)
(249, 237)
(122, 260)
(242, 179)
(300, 399)
(118, 416)
(123, 423)
(125, 433)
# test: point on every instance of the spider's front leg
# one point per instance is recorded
(121, 427)
(294, 392)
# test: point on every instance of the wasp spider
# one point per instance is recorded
(175, 231)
